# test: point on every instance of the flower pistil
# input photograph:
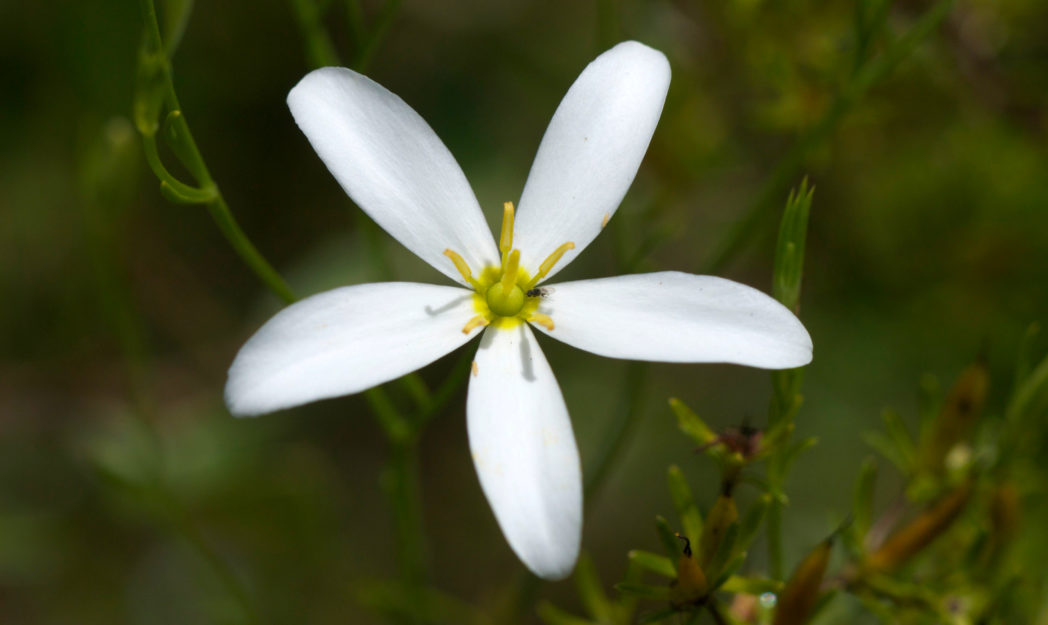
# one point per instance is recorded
(503, 295)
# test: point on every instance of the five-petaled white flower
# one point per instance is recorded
(396, 169)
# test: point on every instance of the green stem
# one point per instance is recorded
(229, 227)
(789, 166)
(774, 528)
(208, 193)
(320, 50)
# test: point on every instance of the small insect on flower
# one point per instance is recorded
(542, 291)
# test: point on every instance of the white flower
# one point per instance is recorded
(396, 169)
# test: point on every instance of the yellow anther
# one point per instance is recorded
(550, 261)
(506, 240)
(463, 268)
(509, 271)
(473, 324)
(543, 320)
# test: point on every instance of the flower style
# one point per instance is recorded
(394, 167)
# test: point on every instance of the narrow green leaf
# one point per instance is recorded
(751, 522)
(862, 500)
(795, 451)
(751, 585)
(1031, 396)
(552, 615)
(728, 571)
(591, 593)
(687, 511)
(176, 17)
(659, 565)
(659, 593)
(185, 194)
(691, 424)
(669, 540)
(884, 446)
(725, 552)
(900, 438)
(177, 136)
(789, 252)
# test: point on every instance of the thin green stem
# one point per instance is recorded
(208, 192)
(871, 72)
(247, 251)
(320, 50)
(774, 529)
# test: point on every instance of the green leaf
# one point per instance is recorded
(728, 571)
(751, 585)
(886, 447)
(751, 522)
(725, 552)
(862, 500)
(659, 593)
(669, 540)
(1031, 396)
(789, 252)
(177, 136)
(687, 511)
(591, 593)
(691, 424)
(900, 438)
(795, 451)
(659, 565)
(176, 17)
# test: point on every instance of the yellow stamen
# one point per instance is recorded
(463, 268)
(550, 261)
(543, 320)
(474, 323)
(509, 271)
(506, 240)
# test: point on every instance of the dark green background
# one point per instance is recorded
(928, 244)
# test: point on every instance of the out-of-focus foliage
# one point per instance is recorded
(128, 494)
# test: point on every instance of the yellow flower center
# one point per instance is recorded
(506, 295)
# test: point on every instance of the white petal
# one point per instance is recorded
(677, 317)
(524, 451)
(393, 166)
(590, 152)
(344, 341)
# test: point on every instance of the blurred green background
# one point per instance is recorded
(121, 311)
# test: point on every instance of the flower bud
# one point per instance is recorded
(910, 539)
(721, 517)
(959, 412)
(691, 583)
(798, 597)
